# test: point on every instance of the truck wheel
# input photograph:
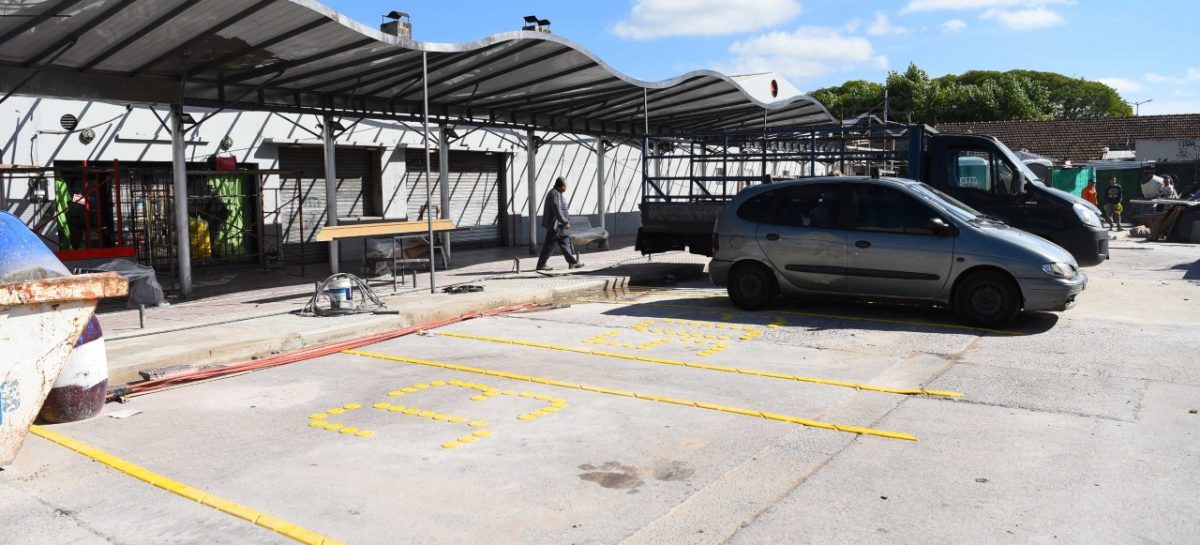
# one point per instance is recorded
(752, 286)
(988, 299)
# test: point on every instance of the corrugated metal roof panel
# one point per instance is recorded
(305, 55)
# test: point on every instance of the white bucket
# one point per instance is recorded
(339, 291)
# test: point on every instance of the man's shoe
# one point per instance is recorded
(544, 268)
(577, 266)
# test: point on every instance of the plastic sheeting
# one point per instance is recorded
(144, 288)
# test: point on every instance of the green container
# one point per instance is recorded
(1072, 180)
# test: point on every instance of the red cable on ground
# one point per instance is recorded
(308, 353)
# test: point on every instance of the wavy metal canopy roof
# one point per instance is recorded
(299, 55)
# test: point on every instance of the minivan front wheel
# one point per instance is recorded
(752, 286)
(988, 299)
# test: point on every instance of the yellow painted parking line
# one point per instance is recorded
(302, 535)
(636, 395)
(773, 313)
(705, 366)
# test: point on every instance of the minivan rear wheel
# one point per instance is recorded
(752, 286)
(988, 299)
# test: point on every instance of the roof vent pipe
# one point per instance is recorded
(397, 24)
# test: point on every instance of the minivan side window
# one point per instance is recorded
(759, 208)
(982, 171)
(882, 209)
(809, 205)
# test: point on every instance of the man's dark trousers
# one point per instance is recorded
(563, 240)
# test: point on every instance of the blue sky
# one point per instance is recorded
(1142, 48)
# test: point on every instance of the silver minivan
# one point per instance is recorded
(885, 239)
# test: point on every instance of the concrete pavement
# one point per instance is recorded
(1079, 427)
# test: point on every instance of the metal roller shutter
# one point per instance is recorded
(476, 187)
(354, 173)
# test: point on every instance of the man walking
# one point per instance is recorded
(557, 222)
(1112, 203)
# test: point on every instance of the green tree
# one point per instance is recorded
(850, 98)
(977, 95)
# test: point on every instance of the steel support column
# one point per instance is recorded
(331, 211)
(601, 192)
(531, 172)
(428, 170)
(444, 181)
(183, 240)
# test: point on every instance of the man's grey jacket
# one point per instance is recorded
(555, 211)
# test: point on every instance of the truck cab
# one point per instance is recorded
(983, 173)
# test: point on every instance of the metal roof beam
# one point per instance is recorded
(181, 48)
(375, 75)
(496, 104)
(288, 65)
(404, 64)
(36, 20)
(577, 108)
(638, 107)
(663, 94)
(543, 79)
(727, 122)
(343, 66)
(798, 116)
(512, 51)
(575, 101)
(90, 25)
(438, 65)
(715, 113)
(135, 36)
(498, 73)
(391, 100)
(223, 60)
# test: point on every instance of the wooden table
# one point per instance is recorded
(394, 229)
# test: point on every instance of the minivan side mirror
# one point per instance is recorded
(940, 227)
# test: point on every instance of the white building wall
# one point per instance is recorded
(30, 134)
(1164, 151)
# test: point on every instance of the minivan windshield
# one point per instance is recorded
(952, 206)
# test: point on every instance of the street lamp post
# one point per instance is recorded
(1136, 105)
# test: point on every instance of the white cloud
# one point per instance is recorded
(1025, 19)
(882, 26)
(1190, 75)
(954, 25)
(1159, 78)
(1122, 85)
(805, 53)
(965, 5)
(881, 61)
(660, 18)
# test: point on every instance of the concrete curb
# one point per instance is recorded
(225, 344)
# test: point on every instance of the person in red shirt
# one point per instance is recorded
(1089, 192)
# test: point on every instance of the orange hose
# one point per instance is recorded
(310, 352)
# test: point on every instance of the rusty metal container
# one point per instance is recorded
(43, 312)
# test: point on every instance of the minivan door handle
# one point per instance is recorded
(772, 236)
(862, 243)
